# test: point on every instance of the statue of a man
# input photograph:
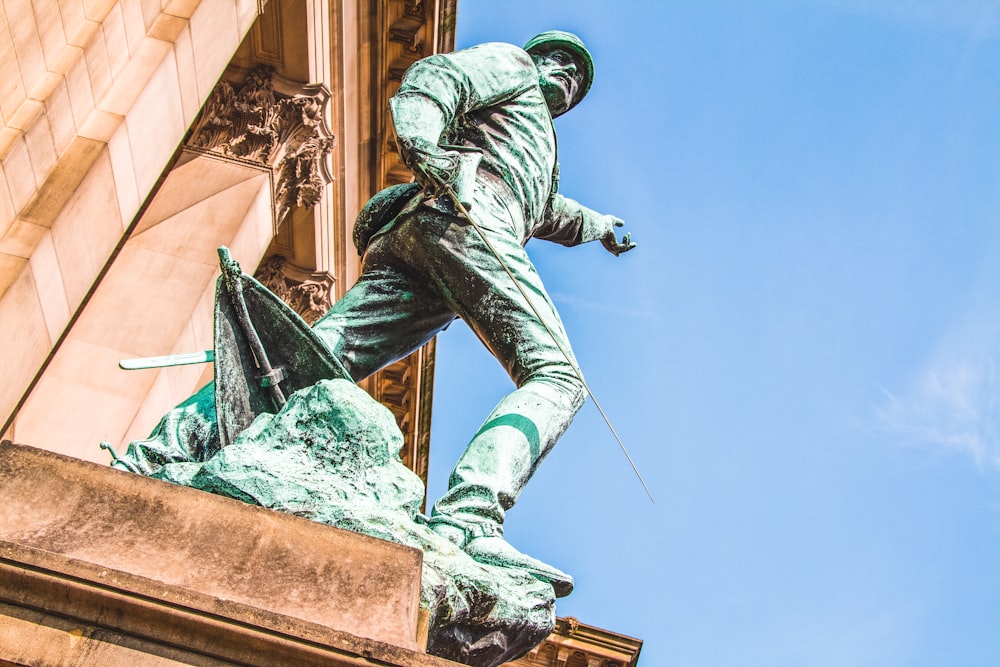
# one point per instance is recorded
(496, 102)
(481, 119)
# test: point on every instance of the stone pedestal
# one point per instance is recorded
(101, 567)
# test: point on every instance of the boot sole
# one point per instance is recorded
(561, 584)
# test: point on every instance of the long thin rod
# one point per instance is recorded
(579, 373)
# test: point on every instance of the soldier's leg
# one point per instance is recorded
(390, 312)
(524, 426)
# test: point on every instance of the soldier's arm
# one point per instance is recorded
(425, 104)
(438, 89)
(570, 223)
(431, 95)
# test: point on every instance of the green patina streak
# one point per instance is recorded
(522, 424)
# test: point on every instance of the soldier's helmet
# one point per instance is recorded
(559, 39)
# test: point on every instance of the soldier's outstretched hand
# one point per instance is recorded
(610, 239)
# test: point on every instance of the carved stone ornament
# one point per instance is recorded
(275, 123)
(308, 296)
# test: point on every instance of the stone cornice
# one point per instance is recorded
(308, 293)
(273, 122)
(576, 644)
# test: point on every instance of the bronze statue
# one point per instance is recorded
(476, 123)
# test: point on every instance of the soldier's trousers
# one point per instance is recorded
(415, 280)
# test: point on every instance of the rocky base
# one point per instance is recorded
(331, 455)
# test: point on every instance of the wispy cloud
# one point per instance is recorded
(954, 402)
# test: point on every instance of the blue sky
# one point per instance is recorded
(802, 353)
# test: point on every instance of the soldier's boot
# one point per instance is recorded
(495, 467)
(495, 550)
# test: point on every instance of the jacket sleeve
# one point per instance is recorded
(438, 89)
(568, 222)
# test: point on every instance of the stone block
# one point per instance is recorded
(41, 146)
(115, 41)
(59, 114)
(6, 204)
(8, 136)
(20, 312)
(49, 284)
(20, 175)
(96, 10)
(167, 28)
(101, 126)
(247, 12)
(134, 563)
(135, 26)
(98, 65)
(64, 61)
(87, 228)
(120, 148)
(91, 412)
(25, 114)
(21, 238)
(191, 99)
(73, 20)
(11, 268)
(215, 36)
(138, 74)
(11, 87)
(81, 94)
(27, 45)
(150, 10)
(84, 35)
(62, 183)
(182, 8)
(156, 116)
(51, 34)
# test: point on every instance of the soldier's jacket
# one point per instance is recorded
(492, 104)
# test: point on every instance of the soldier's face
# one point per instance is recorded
(559, 78)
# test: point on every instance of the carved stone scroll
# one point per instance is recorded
(307, 294)
(275, 123)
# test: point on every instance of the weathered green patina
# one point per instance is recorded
(477, 122)
(480, 121)
(331, 454)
